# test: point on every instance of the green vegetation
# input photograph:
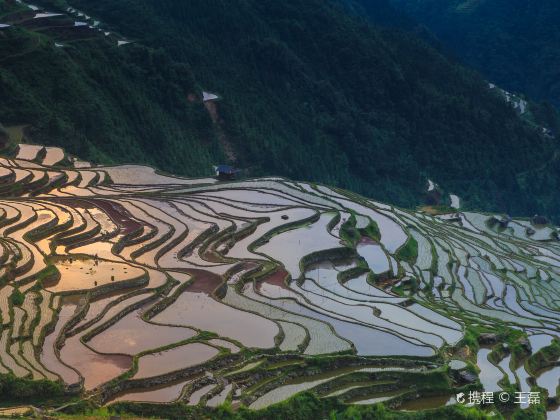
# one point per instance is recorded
(377, 118)
(14, 389)
(17, 298)
(534, 412)
(510, 336)
(304, 350)
(515, 45)
(302, 407)
(103, 102)
(50, 272)
(4, 136)
(409, 251)
(372, 231)
(349, 233)
(545, 357)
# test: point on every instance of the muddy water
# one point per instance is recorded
(205, 282)
(95, 368)
(48, 356)
(243, 269)
(118, 307)
(226, 344)
(83, 274)
(132, 335)
(54, 154)
(145, 175)
(196, 308)
(163, 394)
(28, 151)
(277, 278)
(99, 249)
(171, 360)
(98, 306)
(115, 214)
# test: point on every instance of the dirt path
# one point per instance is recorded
(212, 108)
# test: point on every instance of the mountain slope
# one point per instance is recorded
(380, 12)
(514, 42)
(119, 282)
(312, 92)
(75, 85)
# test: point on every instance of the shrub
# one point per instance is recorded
(18, 389)
(409, 251)
(17, 298)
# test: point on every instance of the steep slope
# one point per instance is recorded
(65, 80)
(514, 42)
(312, 92)
(127, 286)
(380, 12)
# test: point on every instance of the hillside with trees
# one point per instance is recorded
(307, 90)
(515, 43)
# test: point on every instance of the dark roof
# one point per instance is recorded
(226, 169)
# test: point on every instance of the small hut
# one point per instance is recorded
(225, 172)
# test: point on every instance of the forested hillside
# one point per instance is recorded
(71, 86)
(307, 90)
(516, 43)
(380, 12)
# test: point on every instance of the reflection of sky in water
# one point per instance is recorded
(201, 311)
(489, 374)
(375, 257)
(550, 379)
(132, 335)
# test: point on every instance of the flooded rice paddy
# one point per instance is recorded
(174, 359)
(125, 269)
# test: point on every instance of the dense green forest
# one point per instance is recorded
(102, 102)
(309, 91)
(515, 43)
(380, 12)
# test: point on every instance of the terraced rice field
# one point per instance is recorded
(134, 285)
